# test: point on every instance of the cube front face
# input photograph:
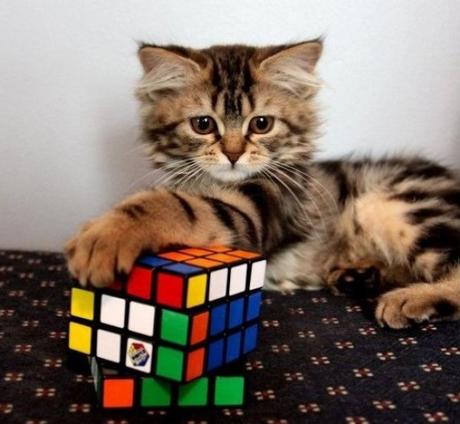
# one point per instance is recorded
(178, 315)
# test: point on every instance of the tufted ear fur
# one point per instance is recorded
(166, 68)
(292, 66)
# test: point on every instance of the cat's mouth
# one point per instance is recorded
(230, 172)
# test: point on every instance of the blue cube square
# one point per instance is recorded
(235, 313)
(152, 261)
(233, 347)
(215, 354)
(253, 310)
(218, 315)
(250, 338)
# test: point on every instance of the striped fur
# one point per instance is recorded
(386, 229)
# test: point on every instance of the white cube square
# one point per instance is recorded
(108, 346)
(238, 276)
(218, 284)
(113, 311)
(257, 274)
(141, 318)
(139, 355)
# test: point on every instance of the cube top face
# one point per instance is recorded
(184, 279)
(173, 317)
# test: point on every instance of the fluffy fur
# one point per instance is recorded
(387, 230)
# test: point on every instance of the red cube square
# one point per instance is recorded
(140, 283)
(170, 290)
(195, 362)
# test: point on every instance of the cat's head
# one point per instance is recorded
(229, 112)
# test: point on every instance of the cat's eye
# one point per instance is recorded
(261, 124)
(203, 124)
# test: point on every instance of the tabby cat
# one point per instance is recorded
(233, 129)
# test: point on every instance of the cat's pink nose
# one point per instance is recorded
(233, 156)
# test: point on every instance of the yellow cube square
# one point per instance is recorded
(80, 338)
(196, 292)
(82, 303)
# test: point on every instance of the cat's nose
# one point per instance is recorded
(233, 156)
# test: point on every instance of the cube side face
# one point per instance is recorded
(155, 393)
(229, 391)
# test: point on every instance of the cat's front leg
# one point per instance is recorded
(152, 220)
(420, 302)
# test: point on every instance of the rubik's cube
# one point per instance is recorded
(179, 315)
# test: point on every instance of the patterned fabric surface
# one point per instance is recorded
(319, 360)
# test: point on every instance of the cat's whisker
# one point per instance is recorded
(183, 181)
(155, 171)
(311, 199)
(295, 197)
(176, 173)
(310, 179)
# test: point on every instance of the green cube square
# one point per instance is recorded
(194, 393)
(170, 363)
(174, 327)
(155, 392)
(229, 391)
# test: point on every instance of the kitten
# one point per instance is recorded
(234, 127)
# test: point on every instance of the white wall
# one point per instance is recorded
(68, 123)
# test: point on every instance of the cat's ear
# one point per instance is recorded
(292, 66)
(168, 68)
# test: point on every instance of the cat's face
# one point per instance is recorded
(228, 112)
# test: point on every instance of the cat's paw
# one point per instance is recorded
(400, 308)
(102, 247)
